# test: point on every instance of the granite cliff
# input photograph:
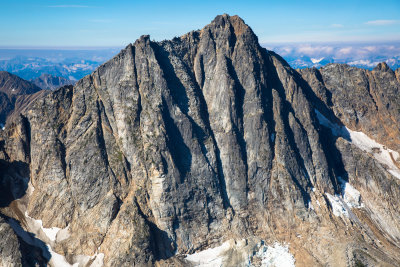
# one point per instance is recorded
(205, 149)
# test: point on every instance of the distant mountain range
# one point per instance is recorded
(362, 55)
(50, 82)
(74, 64)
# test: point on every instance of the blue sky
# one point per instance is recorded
(68, 23)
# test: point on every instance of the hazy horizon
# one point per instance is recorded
(89, 23)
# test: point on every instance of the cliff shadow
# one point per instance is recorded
(34, 252)
(14, 179)
(162, 246)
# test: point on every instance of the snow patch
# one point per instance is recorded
(276, 255)
(35, 235)
(310, 205)
(210, 257)
(51, 232)
(98, 261)
(58, 260)
(37, 225)
(380, 152)
(316, 60)
(351, 196)
(337, 204)
(63, 234)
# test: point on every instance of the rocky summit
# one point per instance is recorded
(205, 150)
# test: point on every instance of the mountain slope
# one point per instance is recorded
(50, 82)
(366, 101)
(174, 147)
(13, 89)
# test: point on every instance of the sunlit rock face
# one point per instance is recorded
(204, 143)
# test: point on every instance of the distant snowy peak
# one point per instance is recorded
(316, 60)
(360, 55)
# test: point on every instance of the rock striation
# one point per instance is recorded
(174, 147)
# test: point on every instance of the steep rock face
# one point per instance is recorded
(173, 147)
(50, 82)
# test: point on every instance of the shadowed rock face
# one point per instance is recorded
(173, 147)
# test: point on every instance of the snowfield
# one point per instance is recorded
(44, 238)
(212, 257)
(276, 255)
(338, 207)
(380, 152)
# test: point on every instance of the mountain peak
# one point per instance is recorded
(236, 21)
(382, 67)
(226, 22)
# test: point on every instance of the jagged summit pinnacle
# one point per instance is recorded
(235, 21)
(221, 27)
(382, 67)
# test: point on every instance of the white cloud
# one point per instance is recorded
(345, 50)
(382, 22)
(68, 6)
(335, 25)
(285, 50)
(370, 48)
(312, 50)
